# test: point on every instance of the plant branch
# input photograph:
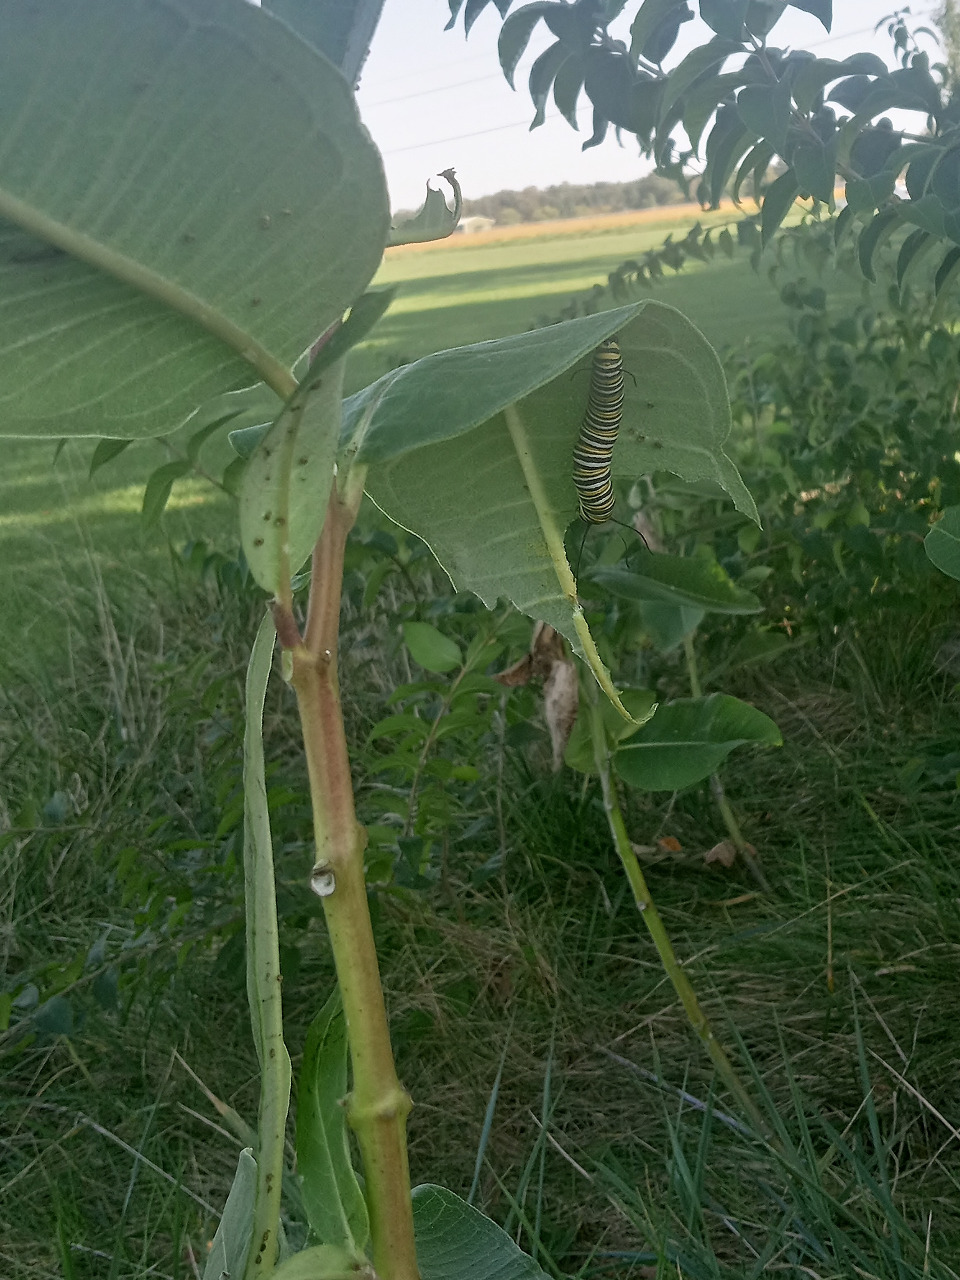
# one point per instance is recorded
(655, 927)
(378, 1105)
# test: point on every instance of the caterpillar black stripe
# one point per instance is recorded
(598, 435)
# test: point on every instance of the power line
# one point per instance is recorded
(440, 88)
(461, 137)
(519, 124)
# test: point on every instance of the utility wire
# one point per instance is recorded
(423, 93)
(521, 124)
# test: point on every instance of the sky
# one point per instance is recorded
(433, 100)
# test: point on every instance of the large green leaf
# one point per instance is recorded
(942, 543)
(472, 448)
(680, 580)
(457, 1242)
(231, 1244)
(334, 1203)
(688, 739)
(186, 192)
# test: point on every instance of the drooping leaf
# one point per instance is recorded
(456, 1240)
(472, 448)
(726, 143)
(879, 229)
(105, 451)
(566, 90)
(194, 159)
(917, 244)
(231, 1244)
(263, 959)
(435, 220)
(686, 581)
(156, 495)
(821, 9)
(778, 200)
(334, 1203)
(516, 32)
(942, 543)
(542, 75)
(688, 739)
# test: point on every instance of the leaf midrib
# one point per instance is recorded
(128, 270)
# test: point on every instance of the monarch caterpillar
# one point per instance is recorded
(598, 434)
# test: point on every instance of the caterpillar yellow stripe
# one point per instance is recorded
(598, 434)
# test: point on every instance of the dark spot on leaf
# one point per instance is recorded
(279, 522)
(254, 302)
(258, 542)
(268, 515)
(188, 237)
(302, 462)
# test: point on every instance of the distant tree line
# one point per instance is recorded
(570, 200)
(574, 200)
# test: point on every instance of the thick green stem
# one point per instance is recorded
(378, 1105)
(716, 786)
(651, 918)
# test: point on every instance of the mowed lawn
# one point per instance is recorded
(55, 522)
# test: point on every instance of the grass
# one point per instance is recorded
(120, 730)
(105, 1134)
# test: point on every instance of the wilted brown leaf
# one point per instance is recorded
(725, 853)
(561, 697)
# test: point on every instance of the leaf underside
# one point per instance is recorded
(184, 190)
(467, 495)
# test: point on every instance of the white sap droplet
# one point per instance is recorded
(322, 880)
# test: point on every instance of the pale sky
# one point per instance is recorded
(433, 100)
